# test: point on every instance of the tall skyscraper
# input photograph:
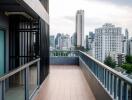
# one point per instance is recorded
(108, 39)
(127, 34)
(80, 28)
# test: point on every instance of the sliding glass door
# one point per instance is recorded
(2, 52)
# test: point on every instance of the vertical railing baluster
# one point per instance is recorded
(38, 73)
(2, 90)
(119, 88)
(106, 79)
(117, 80)
(26, 73)
(102, 74)
(97, 71)
(112, 85)
(125, 91)
(130, 93)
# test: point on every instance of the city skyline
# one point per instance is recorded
(110, 11)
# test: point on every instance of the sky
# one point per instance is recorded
(97, 12)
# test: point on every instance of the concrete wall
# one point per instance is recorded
(64, 60)
(97, 89)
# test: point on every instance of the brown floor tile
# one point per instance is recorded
(65, 83)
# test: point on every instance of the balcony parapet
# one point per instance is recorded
(64, 57)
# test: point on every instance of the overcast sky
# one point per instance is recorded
(97, 12)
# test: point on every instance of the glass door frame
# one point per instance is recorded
(4, 30)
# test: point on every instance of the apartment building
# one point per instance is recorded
(80, 28)
(108, 39)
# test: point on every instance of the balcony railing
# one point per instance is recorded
(24, 80)
(64, 53)
(21, 83)
(117, 85)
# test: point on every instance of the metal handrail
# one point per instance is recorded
(114, 72)
(62, 53)
(2, 78)
(126, 79)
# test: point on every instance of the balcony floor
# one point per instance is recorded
(65, 83)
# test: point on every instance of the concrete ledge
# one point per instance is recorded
(64, 60)
(98, 90)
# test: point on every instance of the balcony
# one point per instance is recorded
(65, 82)
(74, 75)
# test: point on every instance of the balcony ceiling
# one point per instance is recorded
(16, 6)
(10, 5)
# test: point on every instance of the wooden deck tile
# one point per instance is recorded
(65, 83)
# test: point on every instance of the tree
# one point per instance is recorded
(129, 59)
(127, 67)
(110, 62)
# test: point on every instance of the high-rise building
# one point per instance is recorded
(127, 34)
(90, 44)
(91, 36)
(74, 40)
(80, 28)
(58, 40)
(89, 40)
(66, 42)
(62, 41)
(108, 39)
(125, 43)
(130, 46)
(52, 42)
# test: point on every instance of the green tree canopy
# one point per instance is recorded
(110, 62)
(129, 59)
(127, 67)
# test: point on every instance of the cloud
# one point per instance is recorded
(97, 12)
(116, 2)
(70, 18)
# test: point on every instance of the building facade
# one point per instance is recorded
(24, 37)
(80, 28)
(90, 40)
(108, 39)
(57, 40)
(125, 43)
(63, 41)
(74, 40)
